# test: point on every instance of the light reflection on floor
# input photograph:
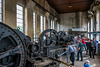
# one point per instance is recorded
(93, 65)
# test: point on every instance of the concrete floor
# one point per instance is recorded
(93, 62)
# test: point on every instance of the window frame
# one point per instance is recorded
(1, 11)
(19, 18)
(34, 35)
(41, 26)
(52, 24)
(44, 23)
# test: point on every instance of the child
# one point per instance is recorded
(87, 63)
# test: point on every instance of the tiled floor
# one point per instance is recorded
(93, 62)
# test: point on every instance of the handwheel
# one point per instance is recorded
(12, 49)
(49, 37)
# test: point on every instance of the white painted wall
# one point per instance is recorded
(68, 21)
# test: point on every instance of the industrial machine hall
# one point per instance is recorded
(49, 33)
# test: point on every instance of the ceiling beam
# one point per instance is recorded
(63, 5)
(71, 3)
(44, 9)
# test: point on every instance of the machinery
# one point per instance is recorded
(12, 47)
(64, 38)
(17, 50)
(52, 43)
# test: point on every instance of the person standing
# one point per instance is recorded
(96, 45)
(74, 48)
(80, 50)
(87, 45)
(94, 42)
(76, 41)
(71, 50)
(79, 36)
(91, 49)
(83, 41)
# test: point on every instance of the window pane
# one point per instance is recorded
(41, 23)
(0, 0)
(44, 23)
(1, 11)
(0, 5)
(19, 24)
(19, 20)
(19, 12)
(34, 25)
(19, 7)
(53, 24)
(19, 17)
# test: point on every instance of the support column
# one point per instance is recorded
(91, 27)
(29, 18)
(55, 23)
(97, 24)
(88, 28)
(26, 21)
(4, 13)
(47, 20)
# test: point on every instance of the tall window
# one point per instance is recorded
(1, 12)
(41, 23)
(34, 25)
(52, 24)
(44, 23)
(19, 17)
(58, 26)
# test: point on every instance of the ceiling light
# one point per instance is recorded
(70, 5)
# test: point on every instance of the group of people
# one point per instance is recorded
(89, 47)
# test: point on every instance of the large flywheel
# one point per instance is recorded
(63, 37)
(12, 49)
(49, 37)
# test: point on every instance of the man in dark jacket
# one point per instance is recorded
(87, 45)
(91, 49)
(94, 41)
